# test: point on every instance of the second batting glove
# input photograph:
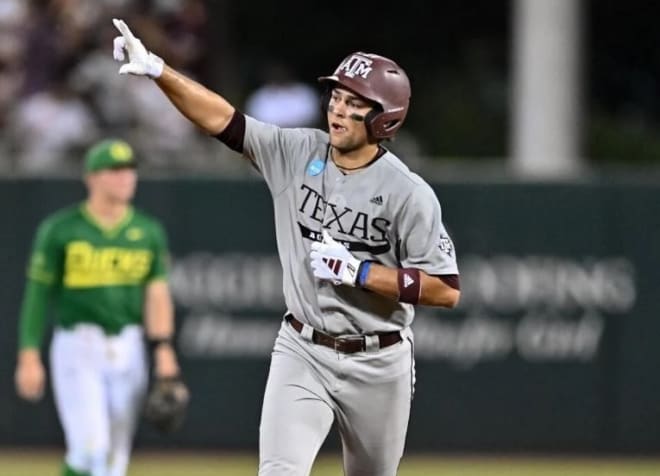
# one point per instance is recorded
(140, 61)
(331, 261)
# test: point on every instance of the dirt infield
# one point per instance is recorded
(39, 462)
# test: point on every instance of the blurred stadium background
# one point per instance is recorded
(536, 121)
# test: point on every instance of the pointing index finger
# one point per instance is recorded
(123, 29)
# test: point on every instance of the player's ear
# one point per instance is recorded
(87, 180)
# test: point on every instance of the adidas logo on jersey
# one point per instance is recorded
(407, 280)
(378, 200)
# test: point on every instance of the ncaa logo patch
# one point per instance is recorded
(315, 167)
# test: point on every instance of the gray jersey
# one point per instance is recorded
(383, 213)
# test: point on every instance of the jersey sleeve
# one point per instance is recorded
(43, 273)
(273, 150)
(46, 258)
(160, 263)
(424, 241)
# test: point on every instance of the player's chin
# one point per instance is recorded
(342, 144)
(125, 196)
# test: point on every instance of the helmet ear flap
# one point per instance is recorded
(371, 119)
(382, 125)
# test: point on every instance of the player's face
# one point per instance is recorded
(114, 185)
(346, 112)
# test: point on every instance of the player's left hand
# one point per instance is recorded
(167, 403)
(331, 261)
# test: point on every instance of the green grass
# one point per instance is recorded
(42, 463)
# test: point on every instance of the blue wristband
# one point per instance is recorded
(363, 272)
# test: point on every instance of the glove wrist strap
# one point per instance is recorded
(155, 66)
(350, 274)
(363, 272)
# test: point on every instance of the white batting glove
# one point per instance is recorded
(140, 61)
(331, 261)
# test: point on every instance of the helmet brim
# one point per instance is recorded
(323, 79)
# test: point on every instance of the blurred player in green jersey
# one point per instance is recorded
(102, 266)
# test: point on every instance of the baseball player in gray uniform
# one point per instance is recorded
(361, 242)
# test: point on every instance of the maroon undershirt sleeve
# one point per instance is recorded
(234, 134)
(451, 280)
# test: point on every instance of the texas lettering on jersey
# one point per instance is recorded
(370, 232)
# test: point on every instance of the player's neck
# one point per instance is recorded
(354, 159)
(105, 212)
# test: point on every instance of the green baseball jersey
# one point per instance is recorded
(96, 274)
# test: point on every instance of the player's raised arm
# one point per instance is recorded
(208, 110)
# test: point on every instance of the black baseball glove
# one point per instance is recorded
(167, 404)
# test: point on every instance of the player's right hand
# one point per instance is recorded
(331, 261)
(30, 377)
(140, 61)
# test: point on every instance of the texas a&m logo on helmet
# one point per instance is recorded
(355, 65)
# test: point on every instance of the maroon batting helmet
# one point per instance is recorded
(379, 80)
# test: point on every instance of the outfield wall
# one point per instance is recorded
(555, 345)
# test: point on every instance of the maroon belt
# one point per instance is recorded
(346, 345)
